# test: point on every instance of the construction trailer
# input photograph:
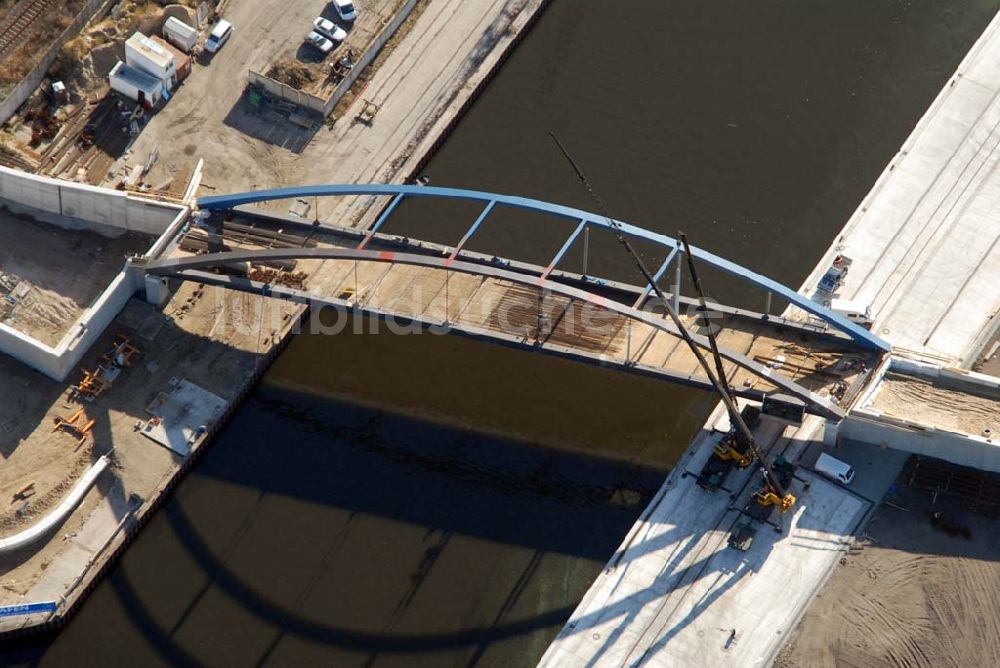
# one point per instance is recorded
(180, 34)
(146, 54)
(182, 61)
(136, 85)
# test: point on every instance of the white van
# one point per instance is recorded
(856, 311)
(833, 468)
(220, 33)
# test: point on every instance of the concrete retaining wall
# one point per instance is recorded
(80, 206)
(962, 449)
(286, 92)
(30, 83)
(35, 354)
(56, 363)
(871, 426)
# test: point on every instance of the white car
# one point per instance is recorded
(345, 9)
(316, 40)
(330, 30)
(220, 33)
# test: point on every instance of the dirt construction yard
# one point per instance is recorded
(920, 591)
(244, 149)
(209, 116)
(54, 274)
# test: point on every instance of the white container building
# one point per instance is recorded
(145, 54)
(180, 34)
(136, 85)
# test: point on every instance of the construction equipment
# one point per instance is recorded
(835, 275)
(778, 491)
(367, 113)
(122, 352)
(77, 426)
(92, 385)
(772, 493)
(742, 535)
(24, 492)
(733, 446)
(713, 475)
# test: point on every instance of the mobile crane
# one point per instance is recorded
(774, 492)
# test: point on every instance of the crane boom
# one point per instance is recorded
(723, 392)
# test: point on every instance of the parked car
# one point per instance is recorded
(221, 32)
(319, 42)
(330, 30)
(345, 9)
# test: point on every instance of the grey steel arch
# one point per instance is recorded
(181, 266)
(492, 200)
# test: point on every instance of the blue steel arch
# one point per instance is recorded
(584, 218)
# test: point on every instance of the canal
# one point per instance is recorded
(420, 500)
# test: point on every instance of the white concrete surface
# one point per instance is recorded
(926, 249)
(59, 514)
(926, 240)
(675, 591)
(183, 414)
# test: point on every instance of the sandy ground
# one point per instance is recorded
(991, 365)
(64, 271)
(913, 594)
(937, 406)
(209, 339)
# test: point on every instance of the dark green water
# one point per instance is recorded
(426, 501)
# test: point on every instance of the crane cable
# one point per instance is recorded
(722, 391)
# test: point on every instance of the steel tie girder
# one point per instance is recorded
(175, 265)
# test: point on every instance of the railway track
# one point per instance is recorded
(19, 20)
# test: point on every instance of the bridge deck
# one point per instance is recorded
(926, 240)
(523, 313)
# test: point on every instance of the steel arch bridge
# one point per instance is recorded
(548, 301)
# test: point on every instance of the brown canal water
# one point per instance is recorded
(423, 500)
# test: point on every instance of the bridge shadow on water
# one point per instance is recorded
(321, 531)
(366, 461)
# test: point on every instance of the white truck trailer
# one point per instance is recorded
(180, 34)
